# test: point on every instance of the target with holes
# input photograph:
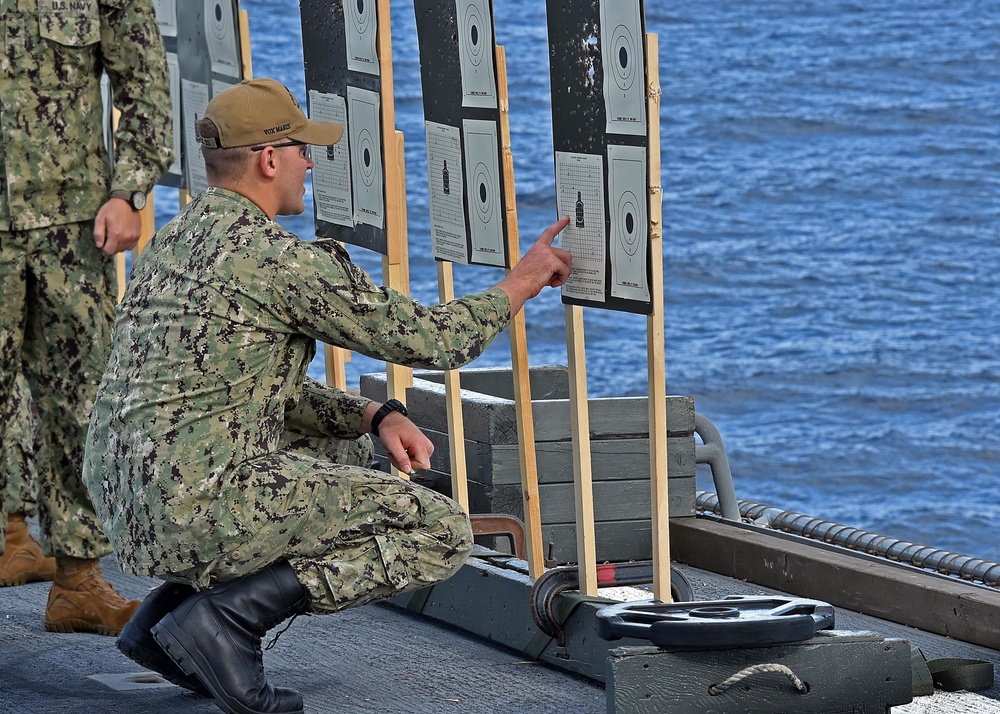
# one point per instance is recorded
(597, 60)
(629, 224)
(624, 68)
(340, 44)
(203, 59)
(469, 209)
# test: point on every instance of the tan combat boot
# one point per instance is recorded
(81, 600)
(23, 560)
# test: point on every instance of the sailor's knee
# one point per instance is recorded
(456, 539)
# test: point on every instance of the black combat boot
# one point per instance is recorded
(137, 642)
(215, 636)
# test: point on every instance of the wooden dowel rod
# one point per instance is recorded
(579, 410)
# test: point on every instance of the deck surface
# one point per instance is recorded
(376, 659)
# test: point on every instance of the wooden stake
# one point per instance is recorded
(579, 414)
(334, 358)
(246, 60)
(120, 274)
(519, 346)
(395, 274)
(655, 350)
(453, 404)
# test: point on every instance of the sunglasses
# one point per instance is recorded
(306, 152)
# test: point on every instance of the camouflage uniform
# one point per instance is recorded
(57, 290)
(19, 458)
(212, 455)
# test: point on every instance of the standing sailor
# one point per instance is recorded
(65, 210)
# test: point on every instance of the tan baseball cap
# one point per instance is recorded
(264, 111)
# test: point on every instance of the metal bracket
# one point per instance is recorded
(503, 526)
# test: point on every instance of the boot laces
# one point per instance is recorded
(274, 640)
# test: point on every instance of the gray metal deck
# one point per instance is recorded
(374, 659)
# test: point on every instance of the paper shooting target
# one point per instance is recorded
(626, 57)
(627, 216)
(220, 21)
(368, 155)
(484, 191)
(475, 39)
(360, 13)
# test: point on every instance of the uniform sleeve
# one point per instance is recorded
(326, 296)
(136, 63)
(326, 411)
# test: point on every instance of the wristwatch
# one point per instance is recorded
(136, 199)
(393, 405)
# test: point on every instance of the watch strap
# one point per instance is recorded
(126, 196)
(393, 405)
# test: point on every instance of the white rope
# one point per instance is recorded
(800, 686)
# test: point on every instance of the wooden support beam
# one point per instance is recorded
(334, 359)
(582, 473)
(246, 60)
(655, 340)
(395, 274)
(453, 404)
(519, 345)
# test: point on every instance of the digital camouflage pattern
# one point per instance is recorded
(61, 318)
(56, 175)
(351, 534)
(19, 453)
(201, 458)
(56, 168)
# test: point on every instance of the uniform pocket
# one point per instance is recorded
(67, 48)
(70, 29)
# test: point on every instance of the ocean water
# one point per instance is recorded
(831, 176)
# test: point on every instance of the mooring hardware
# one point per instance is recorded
(609, 575)
(734, 621)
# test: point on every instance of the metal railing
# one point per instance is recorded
(725, 504)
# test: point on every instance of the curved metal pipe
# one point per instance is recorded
(901, 551)
(713, 453)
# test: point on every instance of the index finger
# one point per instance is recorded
(550, 233)
(100, 229)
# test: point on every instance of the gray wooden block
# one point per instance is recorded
(486, 418)
(611, 459)
(493, 419)
(614, 541)
(619, 451)
(550, 381)
(844, 673)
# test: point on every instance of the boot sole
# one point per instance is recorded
(36, 578)
(156, 662)
(167, 634)
(68, 626)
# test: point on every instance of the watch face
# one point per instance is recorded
(138, 200)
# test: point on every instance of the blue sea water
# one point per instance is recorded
(831, 176)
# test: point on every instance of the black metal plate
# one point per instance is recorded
(735, 621)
